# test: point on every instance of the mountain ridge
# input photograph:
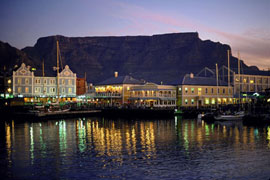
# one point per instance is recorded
(156, 58)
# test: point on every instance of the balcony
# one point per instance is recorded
(107, 95)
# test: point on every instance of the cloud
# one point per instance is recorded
(253, 44)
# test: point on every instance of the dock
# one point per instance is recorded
(56, 114)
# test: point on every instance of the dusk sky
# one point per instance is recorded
(243, 24)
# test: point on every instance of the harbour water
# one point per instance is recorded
(106, 148)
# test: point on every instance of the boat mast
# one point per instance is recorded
(239, 76)
(57, 54)
(228, 52)
(217, 81)
(43, 74)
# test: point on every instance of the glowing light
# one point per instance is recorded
(9, 81)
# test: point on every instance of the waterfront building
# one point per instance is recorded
(81, 86)
(26, 84)
(115, 90)
(153, 95)
(250, 83)
(195, 91)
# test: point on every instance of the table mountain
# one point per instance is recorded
(153, 58)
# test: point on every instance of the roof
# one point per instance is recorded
(120, 80)
(204, 81)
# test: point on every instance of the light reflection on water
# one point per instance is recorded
(132, 149)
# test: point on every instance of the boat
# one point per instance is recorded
(230, 117)
(178, 112)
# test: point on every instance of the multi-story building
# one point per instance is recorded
(81, 86)
(115, 91)
(247, 83)
(26, 84)
(194, 91)
(153, 95)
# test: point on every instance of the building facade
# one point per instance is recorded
(250, 83)
(153, 95)
(26, 84)
(115, 91)
(203, 91)
(81, 86)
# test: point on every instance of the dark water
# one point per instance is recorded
(98, 148)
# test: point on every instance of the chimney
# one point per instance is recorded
(191, 75)
(115, 74)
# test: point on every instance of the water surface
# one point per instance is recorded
(104, 148)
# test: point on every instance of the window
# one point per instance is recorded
(186, 101)
(45, 90)
(192, 101)
(192, 90)
(52, 81)
(63, 90)
(213, 101)
(19, 89)
(26, 81)
(223, 91)
(251, 81)
(206, 90)
(45, 81)
(180, 89)
(218, 90)
(19, 80)
(199, 91)
(212, 90)
(63, 81)
(37, 89)
(69, 82)
(186, 90)
(206, 100)
(69, 90)
(37, 81)
(52, 90)
(26, 90)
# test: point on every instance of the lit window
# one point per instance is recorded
(186, 90)
(192, 90)
(9, 90)
(9, 81)
(199, 91)
(69, 90)
(19, 89)
(244, 80)
(251, 81)
(213, 101)
(186, 101)
(26, 90)
(69, 82)
(180, 89)
(128, 88)
(192, 101)
(206, 100)
(19, 80)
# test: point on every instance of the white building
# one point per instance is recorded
(26, 84)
